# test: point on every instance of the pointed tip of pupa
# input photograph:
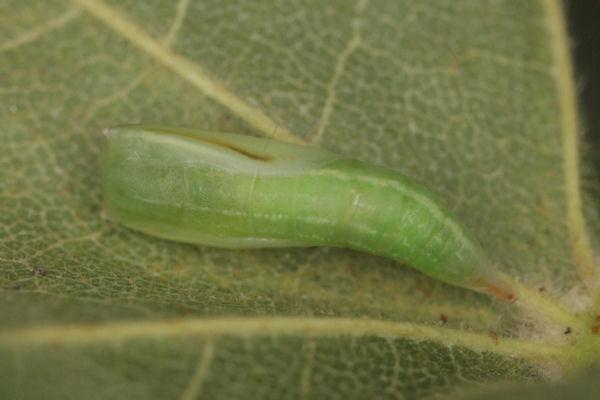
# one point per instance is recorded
(496, 288)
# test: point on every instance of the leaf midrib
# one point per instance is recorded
(86, 333)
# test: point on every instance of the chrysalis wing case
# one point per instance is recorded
(239, 192)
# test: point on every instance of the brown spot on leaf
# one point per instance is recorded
(494, 336)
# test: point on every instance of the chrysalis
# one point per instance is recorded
(240, 192)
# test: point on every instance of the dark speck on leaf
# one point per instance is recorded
(568, 330)
(39, 271)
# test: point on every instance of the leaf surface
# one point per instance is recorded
(466, 97)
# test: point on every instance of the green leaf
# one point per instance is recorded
(473, 99)
(586, 386)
